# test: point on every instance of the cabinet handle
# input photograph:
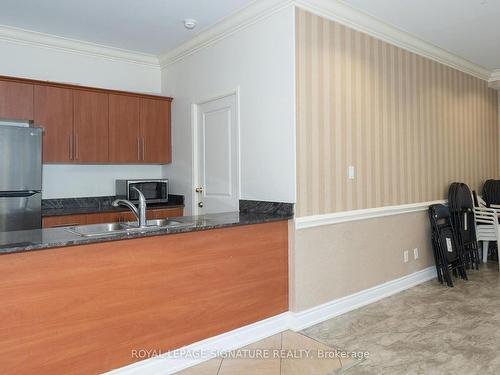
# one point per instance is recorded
(70, 147)
(138, 148)
(143, 148)
(77, 151)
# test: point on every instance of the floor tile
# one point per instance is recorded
(210, 367)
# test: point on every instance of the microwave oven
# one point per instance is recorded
(154, 190)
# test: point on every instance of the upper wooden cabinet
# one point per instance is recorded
(54, 113)
(155, 128)
(124, 132)
(91, 134)
(16, 100)
(90, 125)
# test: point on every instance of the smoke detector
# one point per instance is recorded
(189, 23)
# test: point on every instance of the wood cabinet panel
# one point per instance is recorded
(54, 113)
(155, 126)
(91, 125)
(124, 135)
(91, 131)
(63, 221)
(167, 212)
(83, 310)
(16, 100)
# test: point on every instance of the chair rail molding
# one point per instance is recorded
(363, 214)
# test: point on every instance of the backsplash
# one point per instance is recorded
(265, 207)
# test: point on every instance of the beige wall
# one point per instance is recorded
(333, 261)
(408, 124)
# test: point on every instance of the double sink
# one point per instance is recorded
(95, 230)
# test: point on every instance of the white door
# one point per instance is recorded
(217, 185)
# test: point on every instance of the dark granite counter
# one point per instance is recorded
(93, 205)
(23, 241)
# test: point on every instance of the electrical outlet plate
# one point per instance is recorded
(405, 256)
(415, 253)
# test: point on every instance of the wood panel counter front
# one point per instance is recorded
(84, 309)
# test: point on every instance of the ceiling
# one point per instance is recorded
(149, 26)
(467, 28)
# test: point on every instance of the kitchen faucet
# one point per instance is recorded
(140, 213)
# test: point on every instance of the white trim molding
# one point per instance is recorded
(494, 81)
(177, 360)
(27, 37)
(254, 12)
(307, 318)
(345, 14)
(355, 215)
(335, 10)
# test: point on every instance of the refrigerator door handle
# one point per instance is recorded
(20, 194)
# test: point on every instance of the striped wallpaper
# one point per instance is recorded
(409, 125)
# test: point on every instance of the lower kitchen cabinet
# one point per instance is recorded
(108, 217)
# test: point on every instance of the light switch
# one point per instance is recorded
(350, 172)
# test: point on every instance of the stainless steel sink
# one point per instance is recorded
(95, 230)
(99, 229)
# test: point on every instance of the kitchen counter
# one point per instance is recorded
(93, 205)
(30, 240)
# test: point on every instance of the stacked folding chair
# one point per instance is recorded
(491, 192)
(461, 205)
(447, 254)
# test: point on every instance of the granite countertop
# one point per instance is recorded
(92, 205)
(30, 240)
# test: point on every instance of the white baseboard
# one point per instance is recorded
(265, 328)
(307, 318)
(222, 343)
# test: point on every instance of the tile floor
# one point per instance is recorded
(428, 329)
(287, 352)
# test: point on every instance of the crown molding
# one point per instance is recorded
(335, 10)
(339, 11)
(494, 81)
(254, 12)
(32, 38)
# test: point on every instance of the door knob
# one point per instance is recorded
(200, 204)
(199, 189)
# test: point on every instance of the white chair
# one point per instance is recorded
(487, 229)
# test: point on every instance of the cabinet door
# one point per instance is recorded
(124, 137)
(155, 131)
(54, 113)
(16, 100)
(90, 126)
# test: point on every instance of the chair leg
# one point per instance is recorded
(485, 251)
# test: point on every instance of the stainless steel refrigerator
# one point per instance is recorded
(20, 178)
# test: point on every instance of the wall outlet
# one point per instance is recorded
(351, 172)
(405, 256)
(415, 253)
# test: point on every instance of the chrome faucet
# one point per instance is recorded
(140, 213)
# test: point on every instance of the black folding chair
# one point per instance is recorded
(447, 254)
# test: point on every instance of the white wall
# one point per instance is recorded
(259, 60)
(61, 181)
(44, 63)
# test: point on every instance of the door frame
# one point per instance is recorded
(194, 143)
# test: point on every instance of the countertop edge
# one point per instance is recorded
(78, 241)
